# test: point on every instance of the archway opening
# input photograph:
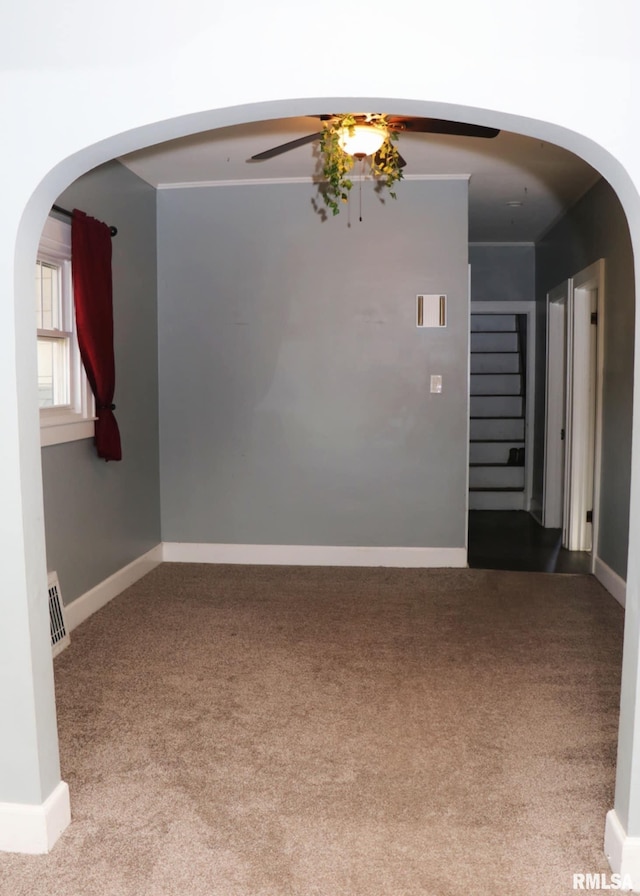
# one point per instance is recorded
(46, 187)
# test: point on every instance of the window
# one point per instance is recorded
(64, 396)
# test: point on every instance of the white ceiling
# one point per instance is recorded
(509, 168)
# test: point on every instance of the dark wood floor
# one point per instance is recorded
(512, 539)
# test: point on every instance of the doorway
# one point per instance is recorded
(573, 424)
(502, 533)
(501, 404)
(563, 537)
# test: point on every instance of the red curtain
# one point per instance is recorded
(92, 290)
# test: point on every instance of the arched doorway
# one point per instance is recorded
(36, 209)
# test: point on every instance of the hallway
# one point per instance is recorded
(506, 539)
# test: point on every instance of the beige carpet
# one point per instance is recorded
(270, 731)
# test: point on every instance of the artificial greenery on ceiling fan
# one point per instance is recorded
(385, 163)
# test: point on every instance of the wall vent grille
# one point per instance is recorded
(59, 634)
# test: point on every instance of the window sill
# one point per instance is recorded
(56, 428)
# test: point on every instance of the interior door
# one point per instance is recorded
(579, 481)
(584, 408)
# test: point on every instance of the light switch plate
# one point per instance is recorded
(436, 383)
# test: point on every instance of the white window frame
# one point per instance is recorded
(75, 420)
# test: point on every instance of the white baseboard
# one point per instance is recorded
(35, 829)
(615, 585)
(91, 601)
(622, 852)
(313, 555)
(256, 554)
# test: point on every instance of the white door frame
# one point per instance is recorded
(558, 301)
(528, 308)
(584, 414)
(581, 409)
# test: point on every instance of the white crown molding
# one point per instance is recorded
(465, 177)
(267, 181)
(241, 182)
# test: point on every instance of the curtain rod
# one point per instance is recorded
(63, 211)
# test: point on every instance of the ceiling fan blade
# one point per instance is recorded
(285, 147)
(440, 126)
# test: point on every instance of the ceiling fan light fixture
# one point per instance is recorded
(362, 139)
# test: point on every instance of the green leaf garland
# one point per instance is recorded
(337, 164)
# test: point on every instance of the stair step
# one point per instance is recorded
(500, 342)
(494, 362)
(496, 500)
(495, 373)
(492, 323)
(492, 488)
(496, 383)
(493, 428)
(483, 463)
(498, 405)
(495, 476)
(492, 452)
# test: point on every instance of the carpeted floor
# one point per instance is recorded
(272, 731)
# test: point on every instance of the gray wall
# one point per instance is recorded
(100, 516)
(502, 273)
(595, 228)
(294, 384)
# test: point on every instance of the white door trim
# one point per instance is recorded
(555, 412)
(528, 308)
(590, 278)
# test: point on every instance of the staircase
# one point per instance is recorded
(497, 402)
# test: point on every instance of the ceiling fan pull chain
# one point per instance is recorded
(361, 179)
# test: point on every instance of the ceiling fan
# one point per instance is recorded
(396, 123)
